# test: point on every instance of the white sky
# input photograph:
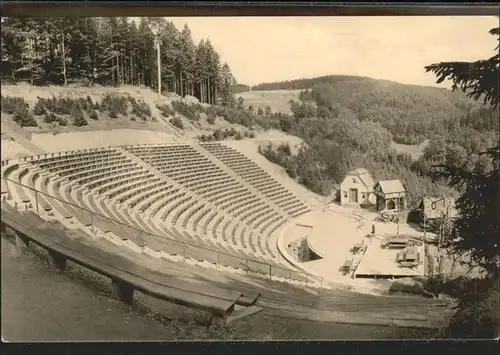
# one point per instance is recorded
(264, 49)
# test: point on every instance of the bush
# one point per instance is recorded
(93, 115)
(477, 316)
(12, 104)
(114, 103)
(24, 118)
(132, 118)
(217, 135)
(211, 119)
(177, 122)
(292, 173)
(90, 104)
(113, 114)
(188, 111)
(140, 108)
(50, 117)
(63, 106)
(62, 121)
(165, 110)
(39, 108)
(238, 136)
(78, 118)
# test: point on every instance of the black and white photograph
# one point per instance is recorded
(246, 178)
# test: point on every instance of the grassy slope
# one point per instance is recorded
(118, 130)
(379, 100)
(278, 100)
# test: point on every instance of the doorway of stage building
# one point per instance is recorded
(353, 195)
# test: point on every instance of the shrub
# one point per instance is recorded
(165, 110)
(24, 118)
(177, 122)
(39, 108)
(90, 104)
(132, 118)
(113, 114)
(47, 118)
(238, 136)
(211, 119)
(290, 170)
(264, 123)
(188, 111)
(252, 135)
(217, 135)
(83, 104)
(11, 104)
(62, 106)
(78, 118)
(62, 121)
(114, 103)
(93, 115)
(145, 107)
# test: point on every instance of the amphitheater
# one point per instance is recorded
(197, 224)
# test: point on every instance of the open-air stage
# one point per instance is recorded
(332, 234)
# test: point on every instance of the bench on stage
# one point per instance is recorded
(125, 275)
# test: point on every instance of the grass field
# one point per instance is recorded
(278, 100)
(415, 150)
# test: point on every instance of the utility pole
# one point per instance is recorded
(156, 33)
(440, 235)
(159, 66)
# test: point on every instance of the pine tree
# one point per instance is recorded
(109, 51)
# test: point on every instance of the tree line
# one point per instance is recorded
(112, 51)
(302, 84)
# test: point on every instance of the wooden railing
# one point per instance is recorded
(126, 276)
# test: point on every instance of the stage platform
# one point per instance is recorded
(381, 263)
(332, 235)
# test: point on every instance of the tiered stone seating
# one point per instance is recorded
(171, 191)
(195, 172)
(258, 178)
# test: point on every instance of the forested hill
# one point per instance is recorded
(111, 51)
(301, 84)
(308, 83)
(411, 113)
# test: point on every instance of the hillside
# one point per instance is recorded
(138, 119)
(277, 100)
(411, 113)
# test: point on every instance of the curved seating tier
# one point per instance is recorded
(258, 178)
(192, 170)
(153, 196)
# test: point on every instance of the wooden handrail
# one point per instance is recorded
(125, 275)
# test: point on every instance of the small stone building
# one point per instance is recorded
(390, 195)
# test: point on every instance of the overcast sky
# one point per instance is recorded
(264, 49)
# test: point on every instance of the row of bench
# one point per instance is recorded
(85, 218)
(250, 229)
(258, 178)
